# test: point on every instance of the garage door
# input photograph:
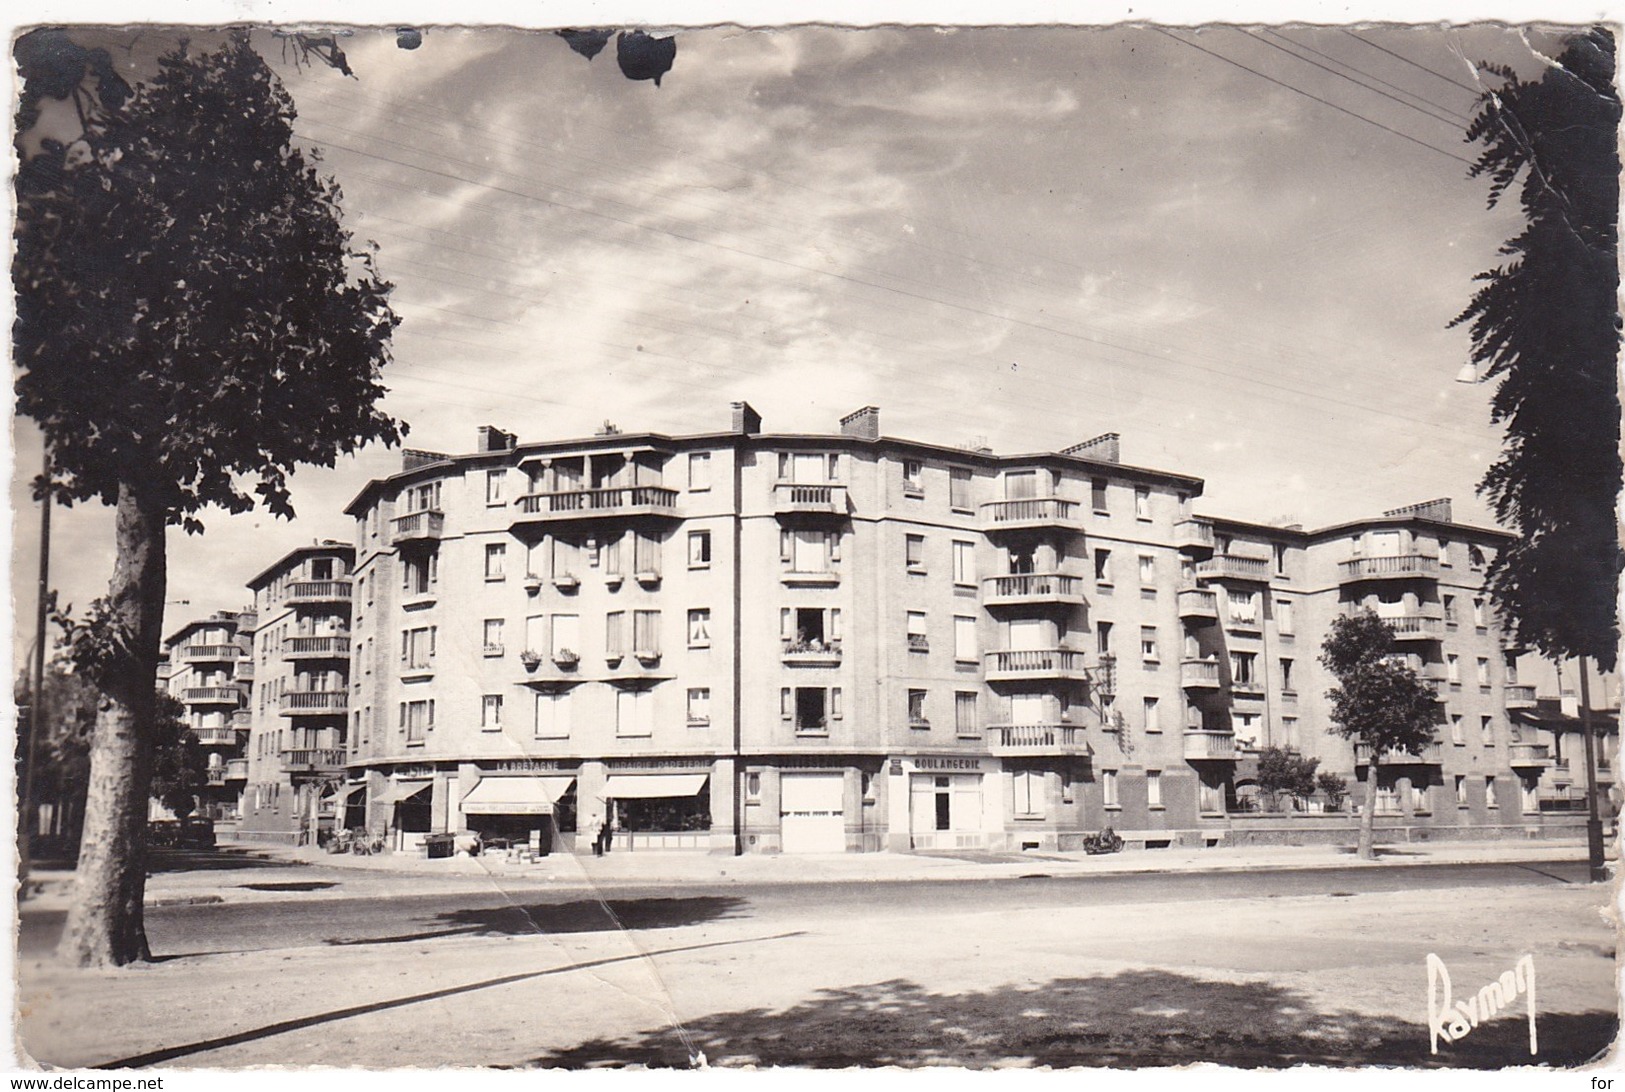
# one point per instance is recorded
(810, 813)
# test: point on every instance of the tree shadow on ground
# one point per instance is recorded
(208, 860)
(1126, 1020)
(581, 916)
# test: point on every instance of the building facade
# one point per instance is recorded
(761, 642)
(210, 673)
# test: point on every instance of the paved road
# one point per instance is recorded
(522, 908)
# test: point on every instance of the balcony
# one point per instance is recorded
(596, 504)
(1528, 756)
(1428, 755)
(1416, 627)
(428, 525)
(1199, 605)
(317, 648)
(1042, 663)
(1014, 740)
(314, 703)
(1193, 535)
(216, 737)
(211, 654)
(1032, 514)
(215, 775)
(310, 592)
(314, 760)
(1205, 746)
(1037, 589)
(212, 695)
(812, 653)
(1395, 567)
(1252, 570)
(1520, 697)
(1199, 674)
(824, 578)
(796, 499)
(236, 769)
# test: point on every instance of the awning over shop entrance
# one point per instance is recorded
(516, 795)
(401, 791)
(653, 786)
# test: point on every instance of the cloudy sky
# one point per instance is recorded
(1024, 236)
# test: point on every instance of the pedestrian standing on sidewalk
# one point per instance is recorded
(600, 843)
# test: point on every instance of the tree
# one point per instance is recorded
(192, 323)
(1379, 702)
(179, 764)
(1333, 788)
(62, 757)
(1282, 771)
(1545, 322)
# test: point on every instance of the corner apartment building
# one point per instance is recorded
(299, 711)
(853, 642)
(210, 673)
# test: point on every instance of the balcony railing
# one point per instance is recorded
(215, 737)
(1416, 627)
(629, 500)
(1041, 663)
(795, 498)
(1390, 567)
(334, 646)
(312, 759)
(297, 703)
(1528, 755)
(1234, 567)
(1427, 755)
(1198, 603)
(1199, 674)
(1193, 534)
(428, 525)
(812, 653)
(1202, 745)
(1037, 739)
(319, 591)
(1520, 697)
(215, 775)
(1032, 588)
(236, 769)
(210, 653)
(212, 695)
(1032, 512)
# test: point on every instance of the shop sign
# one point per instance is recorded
(414, 771)
(524, 766)
(814, 762)
(658, 763)
(946, 762)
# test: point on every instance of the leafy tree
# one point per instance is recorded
(1333, 788)
(1282, 771)
(62, 755)
(180, 765)
(192, 323)
(1378, 701)
(1545, 322)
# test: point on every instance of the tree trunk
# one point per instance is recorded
(1368, 817)
(105, 925)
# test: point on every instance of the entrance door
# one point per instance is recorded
(945, 811)
(811, 815)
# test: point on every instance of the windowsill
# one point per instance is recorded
(913, 493)
(696, 568)
(491, 728)
(1142, 519)
(1112, 807)
(416, 674)
(963, 510)
(1151, 661)
(1103, 585)
(822, 733)
(493, 651)
(963, 661)
(1102, 513)
(695, 722)
(699, 489)
(1030, 817)
(1156, 807)
(914, 570)
(495, 579)
(965, 585)
(705, 645)
(418, 601)
(633, 735)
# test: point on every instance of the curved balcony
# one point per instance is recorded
(336, 647)
(796, 499)
(216, 737)
(1198, 605)
(211, 654)
(1032, 514)
(1205, 746)
(236, 769)
(1038, 663)
(1249, 570)
(313, 703)
(1014, 740)
(212, 695)
(1427, 755)
(1194, 536)
(1199, 674)
(311, 592)
(1391, 567)
(1416, 627)
(428, 525)
(1520, 697)
(314, 760)
(1032, 589)
(1528, 756)
(616, 502)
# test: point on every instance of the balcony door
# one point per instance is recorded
(809, 468)
(811, 552)
(1028, 634)
(1028, 709)
(1384, 544)
(1021, 485)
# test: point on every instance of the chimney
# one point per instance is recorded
(1438, 509)
(491, 438)
(412, 458)
(1102, 449)
(863, 423)
(746, 421)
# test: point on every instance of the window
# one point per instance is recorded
(1456, 734)
(810, 629)
(914, 553)
(1243, 667)
(1148, 571)
(423, 498)
(1486, 730)
(615, 634)
(1142, 503)
(699, 471)
(417, 719)
(1280, 558)
(917, 641)
(493, 636)
(496, 555)
(634, 713)
(1449, 603)
(1103, 638)
(1452, 669)
(1289, 728)
(964, 563)
(753, 787)
(646, 634)
(699, 628)
(1029, 793)
(1461, 790)
(1509, 667)
(913, 477)
(1283, 617)
(916, 709)
(1097, 495)
(646, 557)
(553, 715)
(1245, 727)
(1483, 671)
(1148, 644)
(491, 712)
(1419, 797)
(1286, 675)
(1108, 788)
(417, 648)
(964, 639)
(1489, 792)
(958, 487)
(965, 724)
(1243, 607)
(419, 574)
(699, 705)
(699, 550)
(1153, 715)
(810, 708)
(1444, 553)
(566, 648)
(1103, 569)
(1153, 788)
(1478, 612)
(493, 486)
(609, 556)
(1475, 557)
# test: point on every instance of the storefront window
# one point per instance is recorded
(666, 814)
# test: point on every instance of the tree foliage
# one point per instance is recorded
(1546, 324)
(1379, 700)
(1334, 788)
(1283, 772)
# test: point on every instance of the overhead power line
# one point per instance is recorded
(1437, 113)
(1474, 91)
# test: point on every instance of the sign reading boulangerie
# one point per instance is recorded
(1452, 1022)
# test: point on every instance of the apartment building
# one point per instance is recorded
(787, 642)
(296, 752)
(209, 672)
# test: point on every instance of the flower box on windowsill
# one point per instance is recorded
(646, 655)
(919, 722)
(493, 650)
(566, 582)
(533, 584)
(699, 722)
(530, 659)
(612, 658)
(566, 659)
(612, 580)
(646, 578)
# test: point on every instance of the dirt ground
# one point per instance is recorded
(1246, 982)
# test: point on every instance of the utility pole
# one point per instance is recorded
(1594, 845)
(36, 707)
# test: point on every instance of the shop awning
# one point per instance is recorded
(516, 795)
(400, 791)
(653, 786)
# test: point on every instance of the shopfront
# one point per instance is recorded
(523, 803)
(405, 805)
(655, 804)
(943, 802)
